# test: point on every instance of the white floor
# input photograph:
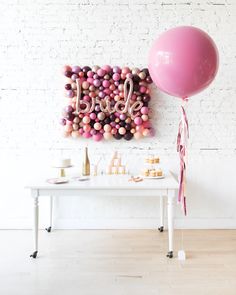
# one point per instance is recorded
(84, 262)
(117, 262)
(75, 262)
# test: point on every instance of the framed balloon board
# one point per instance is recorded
(107, 102)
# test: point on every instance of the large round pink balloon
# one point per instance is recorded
(183, 61)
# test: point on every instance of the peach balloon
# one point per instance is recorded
(69, 81)
(146, 132)
(117, 98)
(122, 130)
(76, 120)
(97, 126)
(133, 130)
(138, 135)
(107, 128)
(112, 87)
(73, 86)
(107, 135)
(87, 128)
(128, 120)
(68, 128)
(92, 94)
(86, 119)
(139, 128)
(85, 85)
(101, 116)
(75, 126)
(66, 68)
(75, 134)
(144, 118)
(66, 134)
(114, 131)
(125, 70)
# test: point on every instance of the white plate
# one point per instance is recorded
(81, 178)
(59, 180)
(62, 167)
(153, 177)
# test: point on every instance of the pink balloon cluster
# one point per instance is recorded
(101, 85)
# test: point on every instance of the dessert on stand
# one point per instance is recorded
(152, 168)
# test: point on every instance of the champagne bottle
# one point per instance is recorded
(86, 164)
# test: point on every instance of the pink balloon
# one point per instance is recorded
(97, 137)
(86, 135)
(183, 61)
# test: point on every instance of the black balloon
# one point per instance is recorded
(127, 126)
(117, 136)
(112, 117)
(136, 78)
(146, 71)
(92, 122)
(136, 87)
(107, 120)
(128, 135)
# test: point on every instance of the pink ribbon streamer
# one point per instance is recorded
(182, 141)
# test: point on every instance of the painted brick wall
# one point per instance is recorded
(38, 37)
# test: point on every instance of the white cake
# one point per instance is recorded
(62, 163)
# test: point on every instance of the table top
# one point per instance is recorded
(108, 182)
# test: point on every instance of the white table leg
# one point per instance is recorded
(48, 229)
(161, 228)
(170, 209)
(36, 224)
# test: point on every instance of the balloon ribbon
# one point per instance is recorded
(182, 141)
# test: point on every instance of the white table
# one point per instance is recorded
(108, 186)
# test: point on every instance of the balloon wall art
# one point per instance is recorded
(107, 102)
(183, 61)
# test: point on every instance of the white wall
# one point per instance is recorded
(38, 37)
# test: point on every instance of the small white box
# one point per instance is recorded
(181, 255)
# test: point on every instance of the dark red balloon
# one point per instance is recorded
(68, 86)
(70, 117)
(146, 98)
(68, 74)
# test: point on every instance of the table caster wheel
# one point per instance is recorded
(170, 254)
(161, 229)
(34, 255)
(48, 229)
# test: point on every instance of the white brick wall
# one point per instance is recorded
(38, 37)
